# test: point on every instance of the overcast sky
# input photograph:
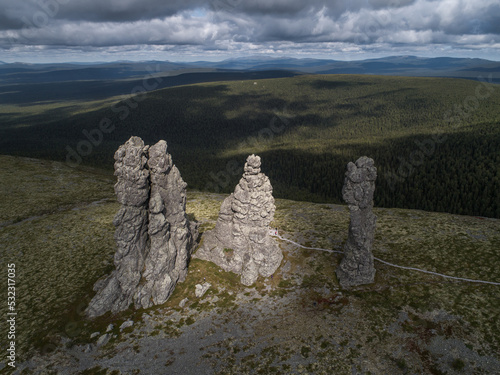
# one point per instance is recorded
(189, 30)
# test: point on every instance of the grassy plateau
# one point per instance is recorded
(56, 226)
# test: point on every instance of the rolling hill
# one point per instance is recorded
(21, 83)
(435, 141)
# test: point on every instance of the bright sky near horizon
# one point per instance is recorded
(190, 30)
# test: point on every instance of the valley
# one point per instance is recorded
(435, 141)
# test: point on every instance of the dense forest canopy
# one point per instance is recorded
(435, 141)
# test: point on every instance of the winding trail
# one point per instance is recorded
(393, 265)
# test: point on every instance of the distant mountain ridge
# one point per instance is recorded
(470, 68)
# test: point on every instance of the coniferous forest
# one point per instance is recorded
(435, 141)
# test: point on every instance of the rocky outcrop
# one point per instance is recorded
(356, 267)
(171, 234)
(117, 291)
(153, 234)
(240, 241)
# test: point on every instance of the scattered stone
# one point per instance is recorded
(240, 241)
(153, 234)
(95, 334)
(356, 267)
(213, 299)
(103, 340)
(126, 324)
(183, 302)
(337, 297)
(201, 289)
(88, 348)
(287, 267)
(110, 328)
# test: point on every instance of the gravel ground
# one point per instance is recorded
(263, 332)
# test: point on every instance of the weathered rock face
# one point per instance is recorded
(240, 241)
(171, 234)
(356, 268)
(153, 234)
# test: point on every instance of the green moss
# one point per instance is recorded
(98, 370)
(458, 364)
(305, 351)
(171, 329)
(69, 187)
(226, 300)
(401, 363)
(286, 283)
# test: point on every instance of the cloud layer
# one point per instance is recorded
(237, 27)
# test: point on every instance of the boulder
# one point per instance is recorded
(103, 340)
(126, 324)
(201, 289)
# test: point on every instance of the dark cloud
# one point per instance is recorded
(125, 10)
(381, 4)
(486, 22)
(16, 11)
(240, 26)
(9, 23)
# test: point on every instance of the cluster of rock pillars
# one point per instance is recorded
(155, 238)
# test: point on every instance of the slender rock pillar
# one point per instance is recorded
(356, 267)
